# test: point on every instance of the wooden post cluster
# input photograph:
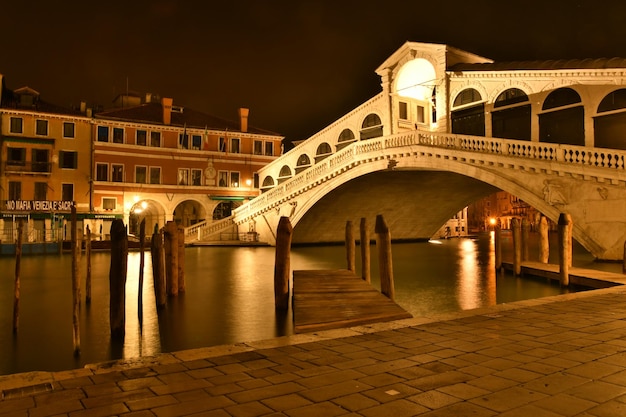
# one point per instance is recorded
(142, 238)
(282, 263)
(383, 241)
(365, 250)
(525, 233)
(117, 279)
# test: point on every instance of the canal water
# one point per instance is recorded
(229, 298)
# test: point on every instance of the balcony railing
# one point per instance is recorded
(27, 166)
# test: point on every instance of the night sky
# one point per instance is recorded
(298, 65)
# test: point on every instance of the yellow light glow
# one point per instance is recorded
(492, 221)
(248, 182)
(416, 79)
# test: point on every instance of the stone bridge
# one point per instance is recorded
(418, 180)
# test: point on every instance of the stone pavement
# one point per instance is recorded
(555, 356)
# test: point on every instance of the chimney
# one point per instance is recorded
(83, 107)
(243, 119)
(166, 103)
(148, 97)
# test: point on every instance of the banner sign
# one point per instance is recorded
(38, 205)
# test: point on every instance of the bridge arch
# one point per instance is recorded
(562, 119)
(284, 174)
(511, 115)
(303, 163)
(268, 183)
(610, 121)
(371, 127)
(323, 151)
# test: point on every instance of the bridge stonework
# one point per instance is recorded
(418, 180)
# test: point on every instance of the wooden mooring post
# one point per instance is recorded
(142, 239)
(76, 249)
(350, 247)
(171, 258)
(365, 250)
(282, 263)
(564, 249)
(158, 269)
(117, 279)
(544, 240)
(517, 246)
(385, 262)
(16, 288)
(181, 259)
(525, 235)
(88, 260)
(497, 232)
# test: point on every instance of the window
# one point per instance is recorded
(102, 172)
(41, 127)
(222, 144)
(420, 116)
(155, 175)
(183, 141)
(16, 125)
(234, 145)
(142, 138)
(222, 179)
(258, 147)
(41, 191)
(15, 190)
(234, 179)
(68, 192)
(141, 174)
(118, 135)
(467, 96)
(16, 156)
(68, 159)
(196, 177)
(196, 142)
(68, 130)
(183, 176)
(103, 134)
(155, 139)
(117, 173)
(403, 111)
(269, 148)
(40, 160)
(109, 203)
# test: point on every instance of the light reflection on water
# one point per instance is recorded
(229, 298)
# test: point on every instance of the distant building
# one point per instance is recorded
(147, 158)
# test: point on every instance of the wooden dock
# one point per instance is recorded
(331, 299)
(590, 278)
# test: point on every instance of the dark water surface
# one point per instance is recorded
(229, 298)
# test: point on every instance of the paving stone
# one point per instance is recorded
(564, 404)
(399, 408)
(433, 399)
(332, 391)
(355, 402)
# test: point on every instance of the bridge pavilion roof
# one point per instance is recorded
(558, 64)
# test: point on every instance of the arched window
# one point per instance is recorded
(346, 137)
(268, 183)
(303, 163)
(511, 116)
(563, 119)
(467, 96)
(372, 127)
(323, 151)
(284, 174)
(470, 118)
(610, 129)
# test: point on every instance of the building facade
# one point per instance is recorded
(146, 158)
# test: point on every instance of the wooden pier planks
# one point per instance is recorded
(332, 299)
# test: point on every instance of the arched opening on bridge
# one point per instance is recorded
(372, 127)
(512, 118)
(149, 210)
(346, 137)
(563, 118)
(268, 183)
(188, 213)
(303, 163)
(284, 174)
(468, 113)
(610, 124)
(323, 151)
(416, 85)
(225, 209)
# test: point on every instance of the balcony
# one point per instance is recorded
(27, 167)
